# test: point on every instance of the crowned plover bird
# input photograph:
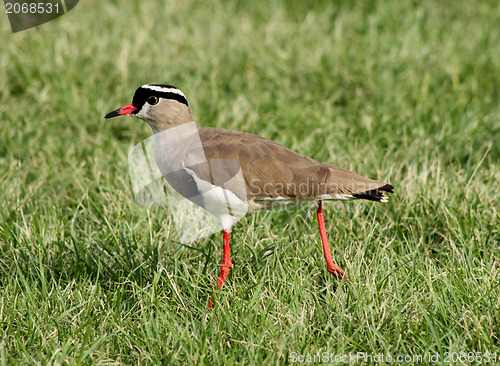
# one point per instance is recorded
(272, 174)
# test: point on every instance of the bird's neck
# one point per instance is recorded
(166, 115)
(166, 124)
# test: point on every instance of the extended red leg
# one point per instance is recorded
(225, 266)
(332, 267)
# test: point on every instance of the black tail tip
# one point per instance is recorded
(377, 195)
(387, 188)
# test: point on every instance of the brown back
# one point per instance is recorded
(272, 171)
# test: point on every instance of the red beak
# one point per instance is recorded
(128, 109)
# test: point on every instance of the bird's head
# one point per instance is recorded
(161, 106)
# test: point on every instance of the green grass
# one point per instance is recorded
(407, 92)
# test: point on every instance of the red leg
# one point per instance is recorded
(225, 266)
(332, 267)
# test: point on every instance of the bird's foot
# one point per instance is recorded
(337, 271)
(224, 271)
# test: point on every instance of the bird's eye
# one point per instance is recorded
(153, 100)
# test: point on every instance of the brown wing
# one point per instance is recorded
(271, 170)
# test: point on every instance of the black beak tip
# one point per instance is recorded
(115, 113)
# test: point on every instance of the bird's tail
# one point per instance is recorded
(377, 195)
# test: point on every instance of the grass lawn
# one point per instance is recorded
(403, 91)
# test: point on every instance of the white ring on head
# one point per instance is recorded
(163, 89)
